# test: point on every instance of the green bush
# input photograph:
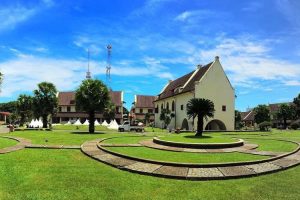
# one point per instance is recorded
(295, 125)
(264, 126)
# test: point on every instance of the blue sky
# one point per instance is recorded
(153, 41)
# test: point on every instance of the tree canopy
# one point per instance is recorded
(45, 101)
(286, 112)
(24, 108)
(261, 114)
(297, 105)
(91, 96)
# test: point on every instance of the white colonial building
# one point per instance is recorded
(209, 82)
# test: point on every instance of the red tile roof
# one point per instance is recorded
(172, 87)
(247, 116)
(274, 107)
(143, 101)
(68, 98)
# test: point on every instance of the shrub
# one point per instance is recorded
(295, 125)
(264, 126)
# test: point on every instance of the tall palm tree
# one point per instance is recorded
(91, 96)
(201, 108)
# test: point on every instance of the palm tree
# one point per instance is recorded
(91, 96)
(109, 111)
(201, 108)
(45, 101)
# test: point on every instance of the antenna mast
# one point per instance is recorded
(108, 63)
(88, 73)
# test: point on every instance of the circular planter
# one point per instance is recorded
(239, 143)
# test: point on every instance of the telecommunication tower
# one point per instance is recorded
(108, 63)
(88, 73)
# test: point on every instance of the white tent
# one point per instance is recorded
(86, 122)
(104, 123)
(68, 123)
(113, 125)
(31, 123)
(77, 122)
(35, 123)
(40, 123)
(96, 123)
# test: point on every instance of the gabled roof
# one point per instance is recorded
(68, 98)
(143, 101)
(247, 116)
(274, 107)
(187, 80)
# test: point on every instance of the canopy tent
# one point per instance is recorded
(77, 122)
(104, 123)
(86, 122)
(97, 123)
(40, 123)
(113, 125)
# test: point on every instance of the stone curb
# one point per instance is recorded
(91, 149)
(21, 145)
(239, 143)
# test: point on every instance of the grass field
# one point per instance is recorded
(78, 128)
(5, 142)
(185, 157)
(69, 174)
(190, 138)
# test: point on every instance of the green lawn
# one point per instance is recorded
(190, 138)
(78, 128)
(273, 145)
(68, 174)
(126, 140)
(185, 157)
(64, 137)
(5, 142)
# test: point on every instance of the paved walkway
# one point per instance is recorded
(21, 145)
(192, 172)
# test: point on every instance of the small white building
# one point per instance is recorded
(209, 82)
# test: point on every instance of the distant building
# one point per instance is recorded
(141, 106)
(4, 117)
(67, 108)
(209, 82)
(248, 117)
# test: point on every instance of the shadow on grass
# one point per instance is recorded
(86, 133)
(197, 137)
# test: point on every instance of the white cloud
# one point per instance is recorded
(194, 15)
(24, 73)
(248, 62)
(12, 16)
(292, 83)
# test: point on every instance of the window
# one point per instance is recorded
(167, 105)
(162, 106)
(72, 102)
(59, 109)
(150, 111)
(173, 105)
(181, 107)
(156, 109)
(133, 110)
(141, 110)
(223, 108)
(68, 109)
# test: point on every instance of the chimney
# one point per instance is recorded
(199, 66)
(217, 58)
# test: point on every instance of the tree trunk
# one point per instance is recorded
(199, 126)
(284, 123)
(45, 121)
(92, 122)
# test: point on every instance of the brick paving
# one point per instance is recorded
(21, 145)
(193, 172)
